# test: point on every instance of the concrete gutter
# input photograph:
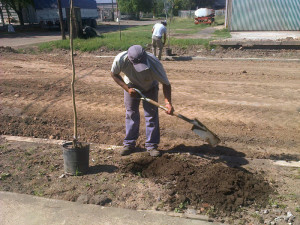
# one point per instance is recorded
(262, 39)
(23, 209)
(290, 44)
(188, 58)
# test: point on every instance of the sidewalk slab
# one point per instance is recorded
(20, 209)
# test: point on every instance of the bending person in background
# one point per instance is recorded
(159, 32)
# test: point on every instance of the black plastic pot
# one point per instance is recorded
(76, 160)
(168, 51)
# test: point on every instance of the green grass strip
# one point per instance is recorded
(140, 35)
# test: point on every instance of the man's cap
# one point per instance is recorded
(164, 22)
(138, 57)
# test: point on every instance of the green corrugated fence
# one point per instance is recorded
(264, 15)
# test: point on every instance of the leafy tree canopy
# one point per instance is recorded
(158, 6)
(135, 6)
(17, 5)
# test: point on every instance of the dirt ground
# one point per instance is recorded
(252, 105)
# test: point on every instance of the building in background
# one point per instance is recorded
(106, 8)
(263, 15)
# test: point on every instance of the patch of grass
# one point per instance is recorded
(111, 193)
(292, 196)
(161, 205)
(39, 193)
(224, 33)
(142, 181)
(298, 175)
(77, 172)
(42, 173)
(258, 217)
(3, 147)
(211, 211)
(104, 179)
(3, 176)
(138, 35)
(27, 50)
(273, 202)
(118, 178)
(181, 207)
(185, 43)
(29, 152)
(185, 26)
(219, 20)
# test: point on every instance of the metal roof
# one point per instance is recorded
(264, 15)
(105, 1)
(52, 4)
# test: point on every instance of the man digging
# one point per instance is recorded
(143, 71)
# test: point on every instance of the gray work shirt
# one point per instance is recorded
(144, 80)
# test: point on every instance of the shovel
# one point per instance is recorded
(198, 127)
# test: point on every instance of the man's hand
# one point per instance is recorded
(132, 92)
(170, 108)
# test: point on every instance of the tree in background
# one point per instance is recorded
(204, 3)
(135, 6)
(17, 6)
(62, 27)
(158, 6)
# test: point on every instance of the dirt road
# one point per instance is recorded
(252, 105)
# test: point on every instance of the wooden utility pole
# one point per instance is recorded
(72, 19)
(62, 27)
(119, 20)
(112, 8)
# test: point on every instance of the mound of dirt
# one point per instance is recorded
(202, 184)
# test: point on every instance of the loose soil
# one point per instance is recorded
(252, 105)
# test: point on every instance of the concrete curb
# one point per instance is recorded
(23, 209)
(60, 142)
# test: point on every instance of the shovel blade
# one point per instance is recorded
(205, 133)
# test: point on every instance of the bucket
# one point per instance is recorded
(168, 51)
(76, 160)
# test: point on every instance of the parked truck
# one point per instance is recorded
(47, 12)
(204, 15)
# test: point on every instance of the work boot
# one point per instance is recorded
(154, 152)
(127, 150)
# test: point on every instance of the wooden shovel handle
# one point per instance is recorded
(143, 97)
(160, 106)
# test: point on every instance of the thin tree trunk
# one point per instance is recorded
(62, 27)
(73, 69)
(2, 18)
(112, 7)
(20, 15)
(119, 20)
